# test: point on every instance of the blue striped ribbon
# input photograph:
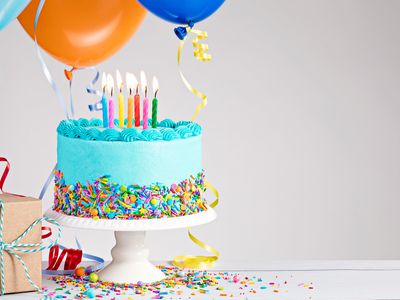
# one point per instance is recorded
(14, 246)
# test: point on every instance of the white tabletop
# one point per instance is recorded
(289, 280)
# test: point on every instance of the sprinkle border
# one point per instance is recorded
(105, 199)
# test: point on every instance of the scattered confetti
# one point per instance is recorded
(178, 282)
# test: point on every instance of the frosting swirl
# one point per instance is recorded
(96, 122)
(66, 128)
(167, 123)
(110, 135)
(180, 123)
(152, 134)
(169, 134)
(195, 128)
(130, 135)
(80, 132)
(183, 131)
(93, 134)
(167, 130)
(83, 122)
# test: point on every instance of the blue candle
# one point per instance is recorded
(105, 110)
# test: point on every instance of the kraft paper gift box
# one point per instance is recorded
(19, 214)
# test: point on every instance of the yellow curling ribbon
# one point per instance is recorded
(200, 52)
(199, 261)
(201, 55)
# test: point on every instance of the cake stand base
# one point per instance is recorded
(129, 256)
(130, 260)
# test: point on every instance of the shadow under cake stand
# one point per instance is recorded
(130, 262)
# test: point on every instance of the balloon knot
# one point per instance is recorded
(180, 32)
(68, 73)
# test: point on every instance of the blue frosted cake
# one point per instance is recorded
(129, 173)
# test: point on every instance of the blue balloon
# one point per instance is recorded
(186, 12)
(10, 10)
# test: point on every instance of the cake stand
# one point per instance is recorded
(130, 262)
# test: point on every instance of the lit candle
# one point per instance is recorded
(154, 103)
(120, 100)
(143, 83)
(131, 82)
(137, 106)
(104, 101)
(110, 85)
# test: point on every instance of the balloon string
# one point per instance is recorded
(201, 55)
(90, 89)
(45, 69)
(68, 73)
(199, 261)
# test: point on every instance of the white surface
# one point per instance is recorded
(303, 110)
(129, 255)
(130, 260)
(334, 284)
(134, 225)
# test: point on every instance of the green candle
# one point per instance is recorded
(154, 106)
(154, 109)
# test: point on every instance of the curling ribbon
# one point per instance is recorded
(5, 173)
(68, 73)
(200, 54)
(90, 89)
(199, 261)
(73, 259)
(45, 69)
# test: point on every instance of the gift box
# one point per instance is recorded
(19, 214)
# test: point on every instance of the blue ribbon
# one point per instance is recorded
(45, 69)
(63, 104)
(100, 262)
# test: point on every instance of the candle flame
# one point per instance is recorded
(119, 81)
(104, 82)
(143, 82)
(131, 82)
(155, 86)
(110, 84)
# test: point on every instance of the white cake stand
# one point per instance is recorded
(130, 262)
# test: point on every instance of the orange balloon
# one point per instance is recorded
(83, 33)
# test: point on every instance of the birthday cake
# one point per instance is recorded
(129, 173)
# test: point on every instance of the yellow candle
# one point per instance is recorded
(120, 101)
(121, 109)
(130, 111)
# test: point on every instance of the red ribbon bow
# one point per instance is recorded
(3, 179)
(73, 259)
(5, 173)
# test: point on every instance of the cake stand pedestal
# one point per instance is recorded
(130, 262)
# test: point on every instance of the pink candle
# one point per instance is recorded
(145, 113)
(110, 85)
(143, 83)
(111, 112)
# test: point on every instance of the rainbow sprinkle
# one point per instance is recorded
(180, 284)
(104, 199)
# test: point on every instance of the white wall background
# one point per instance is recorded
(301, 134)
